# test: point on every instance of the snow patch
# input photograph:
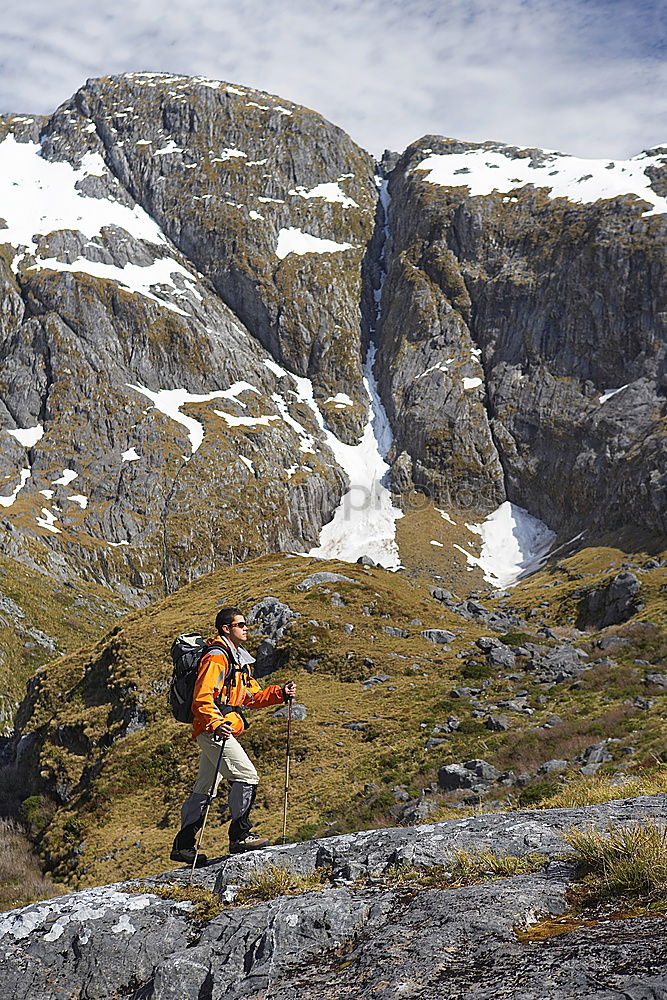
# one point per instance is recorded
(295, 241)
(40, 197)
(607, 394)
(585, 181)
(365, 520)
(28, 436)
(232, 421)
(8, 501)
(167, 150)
(340, 400)
(306, 440)
(276, 369)
(130, 455)
(134, 277)
(170, 401)
(67, 477)
(443, 513)
(247, 463)
(439, 544)
(329, 191)
(80, 499)
(514, 544)
(229, 154)
(48, 521)
(471, 383)
(440, 366)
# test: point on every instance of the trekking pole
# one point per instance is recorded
(287, 759)
(211, 794)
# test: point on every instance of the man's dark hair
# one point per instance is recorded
(226, 616)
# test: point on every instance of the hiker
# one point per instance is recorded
(225, 684)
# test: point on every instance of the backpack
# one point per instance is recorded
(187, 651)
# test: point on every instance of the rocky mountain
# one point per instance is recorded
(522, 346)
(365, 929)
(207, 293)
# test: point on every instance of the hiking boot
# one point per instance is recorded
(249, 843)
(186, 855)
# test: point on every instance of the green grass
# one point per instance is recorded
(625, 862)
(276, 880)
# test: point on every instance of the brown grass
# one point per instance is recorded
(21, 880)
(589, 791)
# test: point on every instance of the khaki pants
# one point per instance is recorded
(235, 767)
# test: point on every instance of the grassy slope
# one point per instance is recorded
(72, 616)
(122, 822)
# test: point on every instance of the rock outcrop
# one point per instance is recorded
(358, 935)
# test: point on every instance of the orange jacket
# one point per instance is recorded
(211, 691)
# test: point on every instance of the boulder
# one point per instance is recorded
(497, 723)
(299, 712)
(552, 767)
(315, 579)
(502, 656)
(612, 604)
(439, 636)
(475, 774)
(395, 633)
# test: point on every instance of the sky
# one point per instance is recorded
(587, 77)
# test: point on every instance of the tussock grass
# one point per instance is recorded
(465, 868)
(21, 880)
(626, 861)
(471, 866)
(593, 790)
(276, 880)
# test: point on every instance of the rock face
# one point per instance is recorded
(149, 254)
(347, 940)
(190, 276)
(507, 318)
(613, 603)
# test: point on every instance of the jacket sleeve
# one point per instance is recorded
(205, 712)
(257, 697)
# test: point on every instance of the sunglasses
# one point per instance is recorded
(238, 625)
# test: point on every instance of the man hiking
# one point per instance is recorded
(224, 685)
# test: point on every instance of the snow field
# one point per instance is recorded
(514, 544)
(38, 197)
(483, 171)
(328, 191)
(28, 436)
(365, 521)
(170, 401)
(295, 241)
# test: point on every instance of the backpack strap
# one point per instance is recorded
(232, 665)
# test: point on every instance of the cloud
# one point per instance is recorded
(585, 77)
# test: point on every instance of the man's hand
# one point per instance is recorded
(223, 731)
(289, 690)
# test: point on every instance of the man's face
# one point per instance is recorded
(237, 630)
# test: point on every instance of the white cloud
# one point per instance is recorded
(586, 78)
